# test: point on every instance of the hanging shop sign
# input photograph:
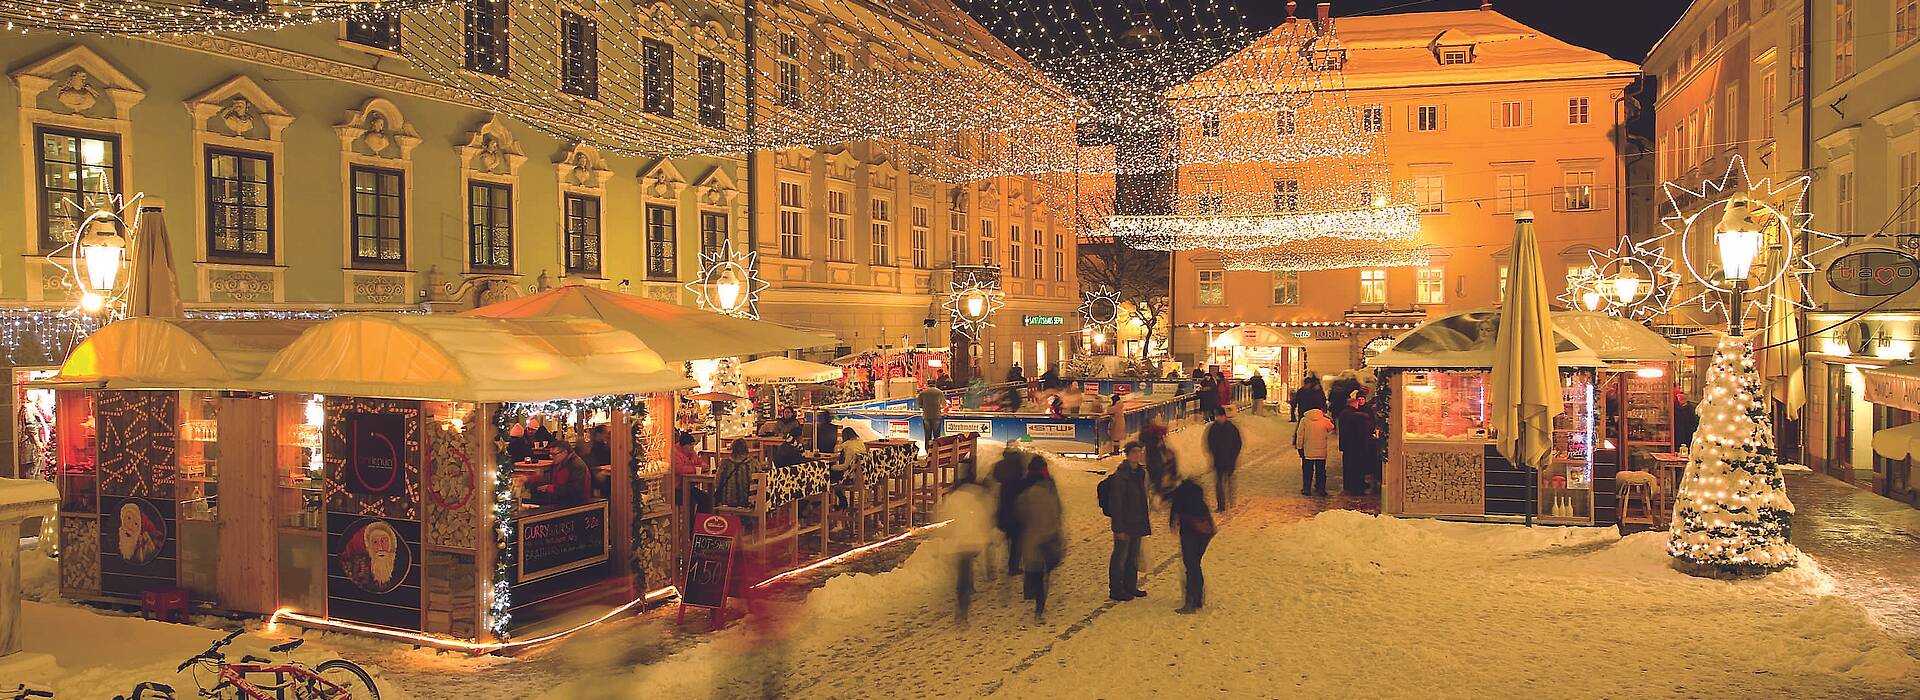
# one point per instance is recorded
(1044, 321)
(1893, 389)
(1874, 273)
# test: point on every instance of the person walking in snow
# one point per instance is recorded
(1359, 449)
(1123, 497)
(968, 511)
(1311, 438)
(1188, 515)
(1223, 444)
(1042, 544)
(933, 405)
(1209, 394)
(1340, 391)
(1257, 390)
(1159, 457)
(1116, 421)
(1010, 473)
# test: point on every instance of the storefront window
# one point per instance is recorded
(197, 481)
(1445, 405)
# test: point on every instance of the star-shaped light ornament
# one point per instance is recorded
(1697, 221)
(1632, 281)
(1100, 309)
(729, 281)
(971, 307)
(97, 249)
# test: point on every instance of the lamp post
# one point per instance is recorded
(1738, 237)
(726, 289)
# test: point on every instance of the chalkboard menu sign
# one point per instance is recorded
(561, 541)
(710, 562)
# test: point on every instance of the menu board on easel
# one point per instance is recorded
(710, 562)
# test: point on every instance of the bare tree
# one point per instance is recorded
(1141, 277)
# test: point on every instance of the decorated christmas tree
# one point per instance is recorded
(1732, 516)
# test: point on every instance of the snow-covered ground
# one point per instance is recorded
(1339, 604)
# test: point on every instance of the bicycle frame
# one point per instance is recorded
(236, 675)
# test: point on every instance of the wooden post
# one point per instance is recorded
(485, 462)
(620, 499)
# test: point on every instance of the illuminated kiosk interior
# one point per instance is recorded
(1278, 356)
(1438, 428)
(355, 473)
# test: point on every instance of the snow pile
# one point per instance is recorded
(39, 574)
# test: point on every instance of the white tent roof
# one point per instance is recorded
(1466, 340)
(1615, 339)
(1251, 336)
(468, 359)
(1898, 442)
(173, 353)
(677, 333)
(786, 370)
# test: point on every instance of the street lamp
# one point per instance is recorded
(726, 288)
(1739, 238)
(1626, 286)
(102, 246)
(976, 304)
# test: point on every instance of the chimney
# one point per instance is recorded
(1321, 12)
(1292, 7)
(1486, 5)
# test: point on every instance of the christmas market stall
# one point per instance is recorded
(893, 372)
(1440, 456)
(435, 478)
(1635, 406)
(1243, 351)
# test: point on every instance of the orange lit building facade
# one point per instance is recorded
(1479, 116)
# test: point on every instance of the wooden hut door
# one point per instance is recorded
(248, 551)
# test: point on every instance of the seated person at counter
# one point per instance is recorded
(734, 486)
(845, 456)
(538, 433)
(788, 425)
(599, 456)
(824, 432)
(567, 483)
(519, 446)
(686, 459)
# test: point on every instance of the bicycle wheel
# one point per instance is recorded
(351, 681)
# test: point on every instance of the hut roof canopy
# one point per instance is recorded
(678, 333)
(1466, 340)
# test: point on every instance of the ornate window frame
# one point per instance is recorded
(716, 192)
(72, 88)
(492, 154)
(661, 185)
(238, 115)
(582, 171)
(378, 135)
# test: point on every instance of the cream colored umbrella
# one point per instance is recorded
(1525, 395)
(156, 287)
(1780, 360)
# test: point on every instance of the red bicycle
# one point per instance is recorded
(337, 679)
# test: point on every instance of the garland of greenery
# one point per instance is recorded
(505, 508)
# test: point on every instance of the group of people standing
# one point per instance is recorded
(1338, 414)
(1123, 497)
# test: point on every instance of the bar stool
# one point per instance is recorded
(1632, 485)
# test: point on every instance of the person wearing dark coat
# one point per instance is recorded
(1209, 395)
(1042, 540)
(1050, 379)
(787, 454)
(1685, 421)
(825, 433)
(1359, 449)
(1011, 474)
(1309, 396)
(568, 482)
(1187, 513)
(1257, 391)
(1159, 459)
(1124, 496)
(1015, 374)
(1342, 389)
(1223, 443)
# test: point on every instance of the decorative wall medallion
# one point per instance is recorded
(245, 286)
(238, 115)
(380, 289)
(76, 91)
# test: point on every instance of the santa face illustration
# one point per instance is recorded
(382, 544)
(374, 558)
(140, 533)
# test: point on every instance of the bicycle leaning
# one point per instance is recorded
(337, 679)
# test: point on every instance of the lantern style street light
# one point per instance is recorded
(727, 288)
(1626, 286)
(1739, 238)
(102, 247)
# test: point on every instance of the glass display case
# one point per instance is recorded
(1647, 417)
(1566, 486)
(197, 476)
(1445, 405)
(79, 487)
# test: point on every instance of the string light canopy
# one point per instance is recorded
(1249, 233)
(1782, 253)
(729, 281)
(153, 17)
(1328, 254)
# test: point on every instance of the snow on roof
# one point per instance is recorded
(1466, 340)
(1397, 50)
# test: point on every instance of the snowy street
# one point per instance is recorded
(1300, 602)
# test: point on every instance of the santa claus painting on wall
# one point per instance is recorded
(374, 558)
(141, 532)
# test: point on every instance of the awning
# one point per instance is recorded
(1897, 386)
(786, 370)
(1898, 442)
(1256, 337)
(1615, 339)
(173, 353)
(677, 333)
(1466, 340)
(468, 359)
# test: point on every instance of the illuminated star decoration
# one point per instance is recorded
(719, 266)
(1100, 308)
(67, 256)
(974, 297)
(1784, 262)
(1658, 281)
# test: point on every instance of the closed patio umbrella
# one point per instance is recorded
(156, 287)
(1780, 359)
(1525, 396)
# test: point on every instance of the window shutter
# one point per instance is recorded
(1413, 118)
(1526, 118)
(1443, 117)
(1494, 110)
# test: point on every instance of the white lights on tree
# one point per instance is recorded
(1736, 229)
(1731, 515)
(729, 281)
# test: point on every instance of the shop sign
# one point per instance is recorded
(1050, 430)
(710, 561)
(899, 430)
(1329, 334)
(374, 462)
(1044, 321)
(1893, 390)
(1874, 273)
(1303, 335)
(562, 541)
(1123, 388)
(961, 427)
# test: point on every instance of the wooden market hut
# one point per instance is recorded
(355, 478)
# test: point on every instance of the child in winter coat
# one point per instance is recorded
(1312, 438)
